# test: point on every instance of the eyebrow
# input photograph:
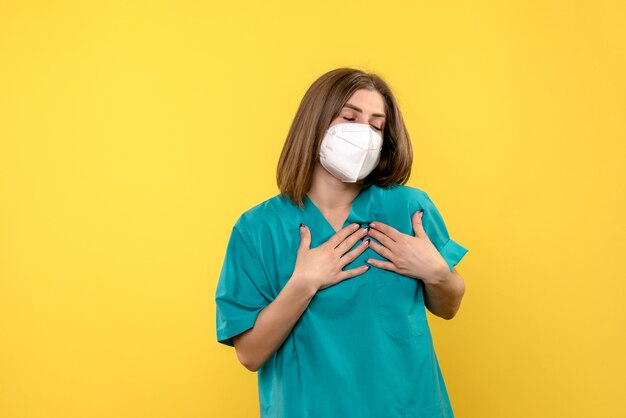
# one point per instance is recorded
(351, 106)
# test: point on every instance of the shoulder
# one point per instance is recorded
(398, 193)
(267, 212)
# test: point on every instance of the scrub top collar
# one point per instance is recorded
(358, 211)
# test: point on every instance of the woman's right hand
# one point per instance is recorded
(322, 266)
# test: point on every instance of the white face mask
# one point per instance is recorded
(350, 151)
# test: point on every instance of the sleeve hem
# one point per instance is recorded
(225, 334)
(452, 252)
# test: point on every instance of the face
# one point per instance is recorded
(364, 106)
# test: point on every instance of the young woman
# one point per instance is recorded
(324, 286)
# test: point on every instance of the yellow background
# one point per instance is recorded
(133, 134)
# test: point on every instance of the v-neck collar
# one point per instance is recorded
(354, 207)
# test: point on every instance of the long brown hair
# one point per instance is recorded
(320, 105)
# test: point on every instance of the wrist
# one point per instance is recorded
(301, 286)
(439, 275)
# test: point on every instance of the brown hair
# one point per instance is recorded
(320, 105)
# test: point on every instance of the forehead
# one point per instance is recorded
(369, 101)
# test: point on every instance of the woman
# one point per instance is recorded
(324, 287)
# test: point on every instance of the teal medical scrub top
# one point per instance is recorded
(362, 348)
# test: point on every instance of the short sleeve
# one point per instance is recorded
(437, 232)
(238, 298)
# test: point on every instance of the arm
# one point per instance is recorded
(417, 257)
(315, 269)
(443, 297)
(273, 325)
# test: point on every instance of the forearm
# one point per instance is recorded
(443, 297)
(273, 325)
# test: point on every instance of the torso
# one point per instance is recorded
(363, 347)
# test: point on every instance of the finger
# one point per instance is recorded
(385, 265)
(352, 255)
(350, 273)
(382, 250)
(418, 227)
(305, 237)
(380, 237)
(342, 234)
(349, 242)
(390, 231)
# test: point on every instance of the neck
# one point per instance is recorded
(328, 192)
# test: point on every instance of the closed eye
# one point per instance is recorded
(351, 119)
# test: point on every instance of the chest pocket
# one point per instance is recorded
(400, 303)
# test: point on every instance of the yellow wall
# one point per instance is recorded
(133, 134)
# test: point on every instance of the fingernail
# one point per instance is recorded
(373, 225)
(367, 267)
(421, 212)
(301, 226)
(367, 241)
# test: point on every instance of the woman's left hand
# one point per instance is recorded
(413, 256)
